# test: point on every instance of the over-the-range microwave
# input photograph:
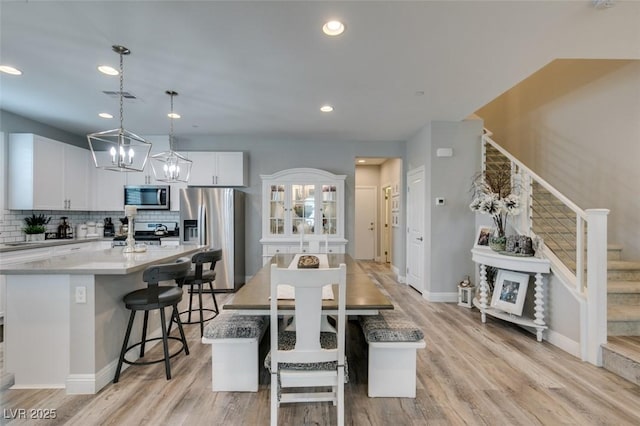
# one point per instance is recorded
(147, 197)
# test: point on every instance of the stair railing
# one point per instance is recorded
(575, 241)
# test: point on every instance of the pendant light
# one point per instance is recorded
(119, 150)
(170, 166)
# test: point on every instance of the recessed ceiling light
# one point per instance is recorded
(106, 69)
(173, 115)
(333, 28)
(362, 161)
(10, 70)
(105, 115)
(326, 108)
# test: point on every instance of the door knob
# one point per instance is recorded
(419, 238)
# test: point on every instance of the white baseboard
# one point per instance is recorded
(400, 278)
(563, 342)
(89, 384)
(441, 297)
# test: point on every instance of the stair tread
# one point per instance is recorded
(627, 346)
(623, 313)
(626, 265)
(623, 287)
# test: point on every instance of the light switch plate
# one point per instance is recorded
(81, 294)
(439, 201)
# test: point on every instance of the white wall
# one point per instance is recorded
(449, 229)
(576, 124)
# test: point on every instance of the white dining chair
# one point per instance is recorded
(310, 243)
(307, 357)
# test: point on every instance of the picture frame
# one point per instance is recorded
(395, 221)
(482, 236)
(395, 189)
(509, 291)
(395, 203)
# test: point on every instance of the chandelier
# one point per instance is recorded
(119, 150)
(170, 166)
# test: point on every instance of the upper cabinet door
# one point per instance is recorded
(36, 173)
(76, 177)
(107, 189)
(218, 169)
(231, 169)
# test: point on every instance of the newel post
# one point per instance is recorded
(596, 283)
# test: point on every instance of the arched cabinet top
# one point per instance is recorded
(303, 174)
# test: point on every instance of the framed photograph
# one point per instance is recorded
(395, 189)
(482, 236)
(395, 220)
(509, 291)
(395, 203)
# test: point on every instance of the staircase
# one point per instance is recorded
(556, 224)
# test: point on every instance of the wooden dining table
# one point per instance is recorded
(363, 296)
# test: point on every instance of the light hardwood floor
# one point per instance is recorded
(470, 373)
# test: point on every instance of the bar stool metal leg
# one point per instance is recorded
(132, 316)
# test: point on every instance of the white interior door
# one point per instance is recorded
(415, 229)
(366, 222)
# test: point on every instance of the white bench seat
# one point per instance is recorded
(235, 341)
(393, 341)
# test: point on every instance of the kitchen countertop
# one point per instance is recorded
(101, 262)
(23, 245)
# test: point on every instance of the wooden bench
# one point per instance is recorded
(393, 341)
(235, 341)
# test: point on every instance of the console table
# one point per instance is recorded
(484, 256)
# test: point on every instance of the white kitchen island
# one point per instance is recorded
(65, 319)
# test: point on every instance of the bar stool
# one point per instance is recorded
(198, 278)
(156, 297)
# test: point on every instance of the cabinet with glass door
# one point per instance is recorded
(298, 202)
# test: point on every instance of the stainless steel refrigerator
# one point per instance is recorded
(215, 217)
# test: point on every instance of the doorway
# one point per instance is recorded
(366, 223)
(415, 229)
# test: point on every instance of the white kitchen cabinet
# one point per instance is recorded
(107, 189)
(296, 202)
(45, 174)
(219, 169)
(76, 177)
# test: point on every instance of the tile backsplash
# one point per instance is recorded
(12, 221)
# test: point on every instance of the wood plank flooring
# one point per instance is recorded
(469, 374)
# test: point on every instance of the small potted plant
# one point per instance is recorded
(36, 226)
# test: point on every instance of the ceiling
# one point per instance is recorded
(263, 69)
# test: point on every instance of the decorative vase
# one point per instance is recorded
(497, 243)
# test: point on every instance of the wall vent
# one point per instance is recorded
(116, 94)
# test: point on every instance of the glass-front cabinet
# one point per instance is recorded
(298, 202)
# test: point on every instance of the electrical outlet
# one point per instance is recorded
(81, 294)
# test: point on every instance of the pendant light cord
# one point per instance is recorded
(171, 128)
